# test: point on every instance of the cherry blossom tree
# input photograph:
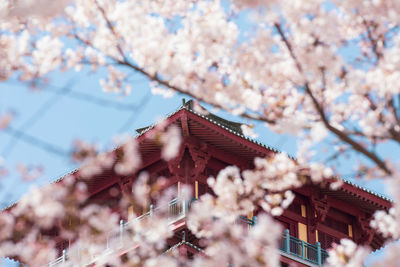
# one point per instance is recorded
(325, 71)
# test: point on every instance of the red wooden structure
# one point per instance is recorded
(317, 218)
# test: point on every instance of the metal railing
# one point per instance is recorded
(301, 249)
(248, 221)
(176, 209)
(61, 259)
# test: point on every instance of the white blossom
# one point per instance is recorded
(347, 254)
(130, 160)
(171, 140)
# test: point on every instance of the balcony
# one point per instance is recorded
(290, 247)
(117, 239)
(298, 250)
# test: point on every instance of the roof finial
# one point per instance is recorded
(183, 101)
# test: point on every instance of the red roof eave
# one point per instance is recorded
(366, 196)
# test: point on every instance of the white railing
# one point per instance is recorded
(59, 260)
(176, 209)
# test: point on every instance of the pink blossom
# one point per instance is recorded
(171, 140)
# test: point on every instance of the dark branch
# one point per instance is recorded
(342, 136)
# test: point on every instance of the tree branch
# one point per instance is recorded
(342, 136)
(373, 42)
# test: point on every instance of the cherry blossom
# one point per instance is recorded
(248, 131)
(171, 140)
(29, 173)
(130, 160)
(347, 253)
(5, 120)
(291, 70)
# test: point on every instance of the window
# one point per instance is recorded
(326, 240)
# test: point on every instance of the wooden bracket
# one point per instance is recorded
(125, 184)
(200, 156)
(367, 233)
(320, 205)
(174, 165)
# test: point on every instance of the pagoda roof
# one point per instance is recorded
(227, 136)
(231, 126)
(235, 129)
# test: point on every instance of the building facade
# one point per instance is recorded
(317, 218)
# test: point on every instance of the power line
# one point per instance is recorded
(135, 113)
(67, 91)
(87, 97)
(51, 101)
(30, 139)
(93, 99)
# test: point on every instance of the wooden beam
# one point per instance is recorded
(157, 166)
(151, 159)
(108, 182)
(331, 231)
(184, 124)
(334, 202)
(219, 154)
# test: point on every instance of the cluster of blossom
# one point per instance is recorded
(171, 141)
(3, 168)
(392, 256)
(386, 224)
(82, 150)
(130, 159)
(5, 120)
(115, 81)
(248, 131)
(230, 243)
(27, 226)
(347, 254)
(267, 185)
(277, 173)
(29, 173)
(96, 164)
(125, 159)
(280, 173)
(276, 203)
(167, 136)
(214, 221)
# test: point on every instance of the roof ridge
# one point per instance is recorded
(370, 191)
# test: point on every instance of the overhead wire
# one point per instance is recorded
(35, 117)
(21, 133)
